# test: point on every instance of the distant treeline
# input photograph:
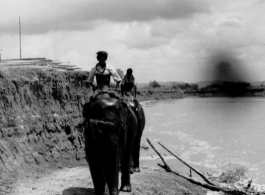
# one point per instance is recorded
(228, 87)
(186, 86)
(181, 86)
(221, 87)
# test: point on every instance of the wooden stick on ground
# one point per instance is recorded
(191, 167)
(214, 186)
(165, 166)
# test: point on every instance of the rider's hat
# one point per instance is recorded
(102, 53)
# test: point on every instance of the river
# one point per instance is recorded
(212, 134)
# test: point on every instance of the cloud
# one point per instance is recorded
(147, 10)
(51, 15)
(169, 40)
(166, 28)
(139, 36)
(233, 24)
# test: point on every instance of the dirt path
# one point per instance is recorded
(62, 181)
(77, 181)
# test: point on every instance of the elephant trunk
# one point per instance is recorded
(106, 142)
(111, 170)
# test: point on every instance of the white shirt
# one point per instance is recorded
(126, 79)
(109, 70)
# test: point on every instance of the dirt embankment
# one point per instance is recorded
(40, 118)
(159, 94)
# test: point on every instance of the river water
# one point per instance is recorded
(212, 134)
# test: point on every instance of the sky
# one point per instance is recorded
(169, 40)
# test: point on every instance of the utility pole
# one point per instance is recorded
(19, 37)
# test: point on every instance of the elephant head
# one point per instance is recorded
(111, 128)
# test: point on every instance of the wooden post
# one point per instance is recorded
(19, 38)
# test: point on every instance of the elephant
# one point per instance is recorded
(139, 112)
(112, 132)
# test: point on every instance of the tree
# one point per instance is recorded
(154, 84)
(186, 86)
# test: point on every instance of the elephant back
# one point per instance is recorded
(111, 96)
(104, 94)
(134, 104)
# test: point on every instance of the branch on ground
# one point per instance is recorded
(229, 189)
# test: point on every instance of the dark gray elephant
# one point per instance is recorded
(111, 134)
(139, 113)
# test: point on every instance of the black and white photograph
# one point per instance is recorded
(132, 97)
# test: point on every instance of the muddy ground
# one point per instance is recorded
(77, 181)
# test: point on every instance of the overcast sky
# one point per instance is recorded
(163, 40)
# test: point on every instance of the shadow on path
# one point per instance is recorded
(79, 191)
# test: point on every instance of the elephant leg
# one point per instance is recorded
(136, 156)
(97, 173)
(111, 169)
(113, 191)
(136, 152)
(125, 172)
(137, 141)
(131, 165)
(98, 179)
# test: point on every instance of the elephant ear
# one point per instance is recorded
(120, 120)
(86, 110)
(124, 112)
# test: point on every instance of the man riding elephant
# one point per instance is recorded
(113, 130)
(128, 83)
(103, 72)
